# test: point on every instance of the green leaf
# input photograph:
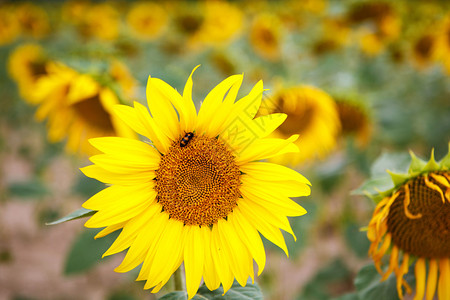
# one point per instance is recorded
(236, 292)
(79, 213)
(372, 187)
(86, 252)
(369, 286)
(350, 296)
(397, 162)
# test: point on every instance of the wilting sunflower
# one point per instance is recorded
(354, 118)
(26, 65)
(147, 20)
(412, 220)
(196, 193)
(312, 114)
(76, 106)
(266, 36)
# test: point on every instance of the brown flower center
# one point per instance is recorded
(92, 112)
(424, 45)
(352, 117)
(298, 120)
(422, 228)
(198, 183)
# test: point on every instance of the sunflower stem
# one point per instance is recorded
(177, 276)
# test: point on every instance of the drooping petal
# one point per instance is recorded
(194, 258)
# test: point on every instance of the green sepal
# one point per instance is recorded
(445, 162)
(417, 164)
(431, 165)
(397, 178)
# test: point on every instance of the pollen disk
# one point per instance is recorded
(198, 184)
(419, 218)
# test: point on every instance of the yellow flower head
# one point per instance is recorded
(26, 65)
(77, 107)
(222, 22)
(425, 50)
(412, 220)
(101, 21)
(312, 114)
(33, 20)
(196, 192)
(147, 20)
(265, 36)
(443, 43)
(9, 26)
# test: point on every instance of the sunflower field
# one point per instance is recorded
(225, 150)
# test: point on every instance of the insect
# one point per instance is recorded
(185, 140)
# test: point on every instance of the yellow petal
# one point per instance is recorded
(110, 229)
(131, 230)
(432, 279)
(142, 245)
(276, 203)
(269, 231)
(187, 107)
(194, 258)
(159, 98)
(250, 238)
(210, 276)
(284, 188)
(128, 149)
(248, 106)
(168, 255)
(129, 205)
(236, 253)
(444, 279)
(220, 260)
(272, 172)
(266, 148)
(100, 174)
(212, 105)
(126, 165)
(420, 272)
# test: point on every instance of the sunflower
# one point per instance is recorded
(101, 21)
(33, 20)
(412, 220)
(222, 22)
(147, 20)
(354, 118)
(265, 36)
(26, 65)
(76, 106)
(424, 50)
(9, 27)
(196, 193)
(312, 114)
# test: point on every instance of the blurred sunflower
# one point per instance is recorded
(73, 11)
(147, 20)
(312, 114)
(355, 119)
(378, 22)
(196, 193)
(9, 27)
(33, 20)
(413, 221)
(101, 21)
(335, 35)
(222, 22)
(26, 64)
(77, 107)
(424, 50)
(266, 36)
(443, 42)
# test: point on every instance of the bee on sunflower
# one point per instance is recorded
(196, 193)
